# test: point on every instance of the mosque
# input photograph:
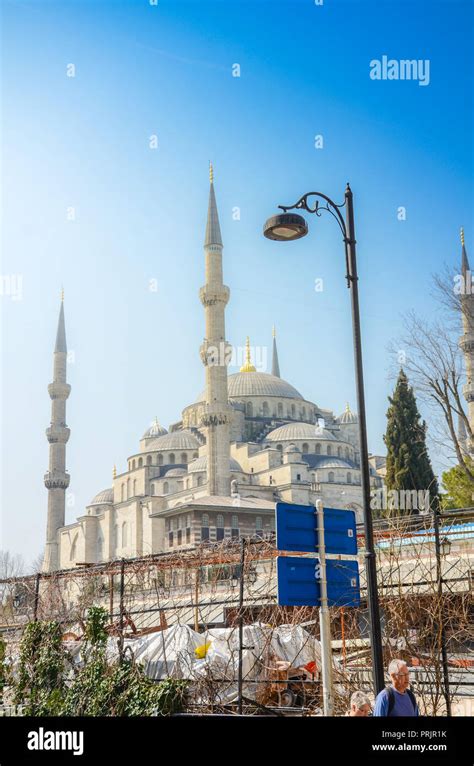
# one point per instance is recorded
(248, 440)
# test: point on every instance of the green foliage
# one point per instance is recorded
(39, 684)
(459, 488)
(408, 462)
(98, 688)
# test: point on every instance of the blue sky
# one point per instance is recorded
(166, 70)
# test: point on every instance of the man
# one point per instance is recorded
(397, 699)
(360, 706)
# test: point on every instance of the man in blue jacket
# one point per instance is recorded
(397, 699)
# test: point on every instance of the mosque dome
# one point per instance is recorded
(295, 431)
(105, 497)
(333, 462)
(176, 472)
(347, 416)
(175, 440)
(243, 384)
(200, 464)
(154, 431)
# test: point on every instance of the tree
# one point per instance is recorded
(458, 486)
(408, 462)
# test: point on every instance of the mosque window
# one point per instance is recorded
(134, 488)
(249, 409)
(148, 459)
(166, 488)
(280, 410)
(331, 476)
(140, 462)
(184, 457)
(160, 459)
(179, 539)
(305, 448)
(349, 478)
(298, 477)
(188, 535)
(73, 552)
(170, 539)
(220, 527)
(280, 447)
(293, 410)
(339, 451)
(152, 489)
(329, 450)
(204, 526)
(172, 459)
(199, 481)
(303, 412)
(122, 492)
(318, 449)
(347, 453)
(259, 526)
(266, 410)
(133, 465)
(128, 489)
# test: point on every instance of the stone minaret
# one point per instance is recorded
(275, 364)
(215, 356)
(56, 480)
(466, 341)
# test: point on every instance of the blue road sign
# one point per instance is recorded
(296, 529)
(298, 582)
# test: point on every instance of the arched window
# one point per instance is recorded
(303, 412)
(280, 410)
(293, 410)
(266, 410)
(199, 483)
(124, 534)
(318, 449)
(305, 448)
(347, 453)
(280, 447)
(148, 459)
(172, 459)
(220, 527)
(134, 488)
(205, 526)
(184, 457)
(259, 526)
(249, 409)
(122, 492)
(339, 451)
(329, 450)
(128, 489)
(160, 459)
(166, 488)
(133, 465)
(73, 553)
(152, 489)
(349, 478)
(331, 476)
(140, 462)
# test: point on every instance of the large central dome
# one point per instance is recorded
(257, 384)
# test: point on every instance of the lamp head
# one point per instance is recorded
(285, 227)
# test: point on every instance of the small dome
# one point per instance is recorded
(176, 472)
(292, 431)
(348, 416)
(175, 440)
(334, 462)
(200, 464)
(291, 448)
(105, 497)
(154, 431)
(243, 384)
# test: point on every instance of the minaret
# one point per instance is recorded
(215, 356)
(275, 365)
(56, 480)
(466, 342)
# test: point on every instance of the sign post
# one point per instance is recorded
(324, 621)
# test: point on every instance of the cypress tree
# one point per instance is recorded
(408, 462)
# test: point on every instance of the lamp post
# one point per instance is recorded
(289, 226)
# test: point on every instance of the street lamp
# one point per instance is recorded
(445, 547)
(287, 227)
